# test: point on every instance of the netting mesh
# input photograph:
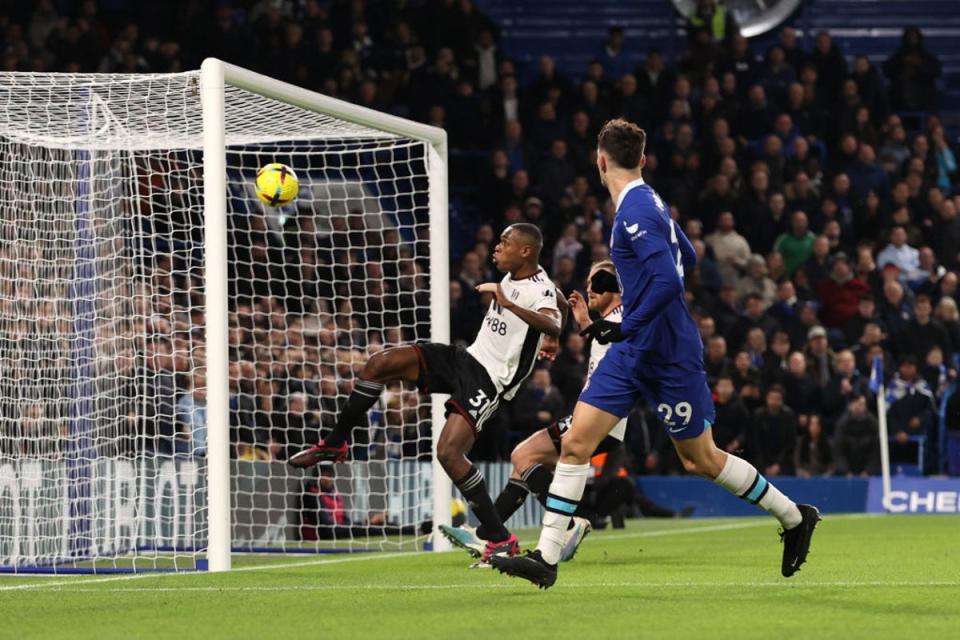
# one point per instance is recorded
(103, 416)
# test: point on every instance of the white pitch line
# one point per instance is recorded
(562, 585)
(79, 581)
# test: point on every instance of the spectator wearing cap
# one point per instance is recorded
(900, 254)
(755, 281)
(840, 293)
(819, 356)
(533, 211)
(797, 245)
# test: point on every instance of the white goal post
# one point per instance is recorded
(214, 76)
(167, 340)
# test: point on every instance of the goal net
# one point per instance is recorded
(167, 341)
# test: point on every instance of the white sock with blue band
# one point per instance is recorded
(564, 496)
(740, 478)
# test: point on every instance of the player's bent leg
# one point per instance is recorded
(455, 441)
(539, 448)
(589, 427)
(398, 363)
(533, 461)
(702, 457)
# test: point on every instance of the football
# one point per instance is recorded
(277, 185)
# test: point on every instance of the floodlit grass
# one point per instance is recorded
(867, 577)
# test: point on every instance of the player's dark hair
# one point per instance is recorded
(530, 232)
(623, 141)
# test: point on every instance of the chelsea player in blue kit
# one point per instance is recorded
(658, 356)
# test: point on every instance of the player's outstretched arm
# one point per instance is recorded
(546, 321)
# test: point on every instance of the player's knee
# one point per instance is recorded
(449, 455)
(575, 450)
(706, 465)
(376, 367)
(519, 459)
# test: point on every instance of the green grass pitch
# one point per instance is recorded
(867, 577)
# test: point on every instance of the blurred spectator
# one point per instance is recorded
(900, 254)
(911, 408)
(755, 281)
(732, 417)
(813, 455)
(771, 438)
(729, 248)
(923, 332)
(856, 441)
(538, 404)
(840, 293)
(912, 71)
(797, 245)
(801, 390)
(192, 417)
(845, 384)
(713, 18)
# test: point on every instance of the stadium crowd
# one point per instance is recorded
(821, 195)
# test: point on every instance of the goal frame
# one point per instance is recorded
(215, 76)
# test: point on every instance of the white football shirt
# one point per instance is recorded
(597, 351)
(506, 346)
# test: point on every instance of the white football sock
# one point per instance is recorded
(564, 496)
(743, 480)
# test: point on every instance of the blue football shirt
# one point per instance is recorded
(650, 253)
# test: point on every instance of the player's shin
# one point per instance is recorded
(364, 395)
(564, 495)
(474, 489)
(538, 478)
(510, 499)
(742, 479)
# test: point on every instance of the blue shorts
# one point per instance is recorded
(678, 392)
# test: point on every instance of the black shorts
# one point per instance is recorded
(558, 428)
(448, 369)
